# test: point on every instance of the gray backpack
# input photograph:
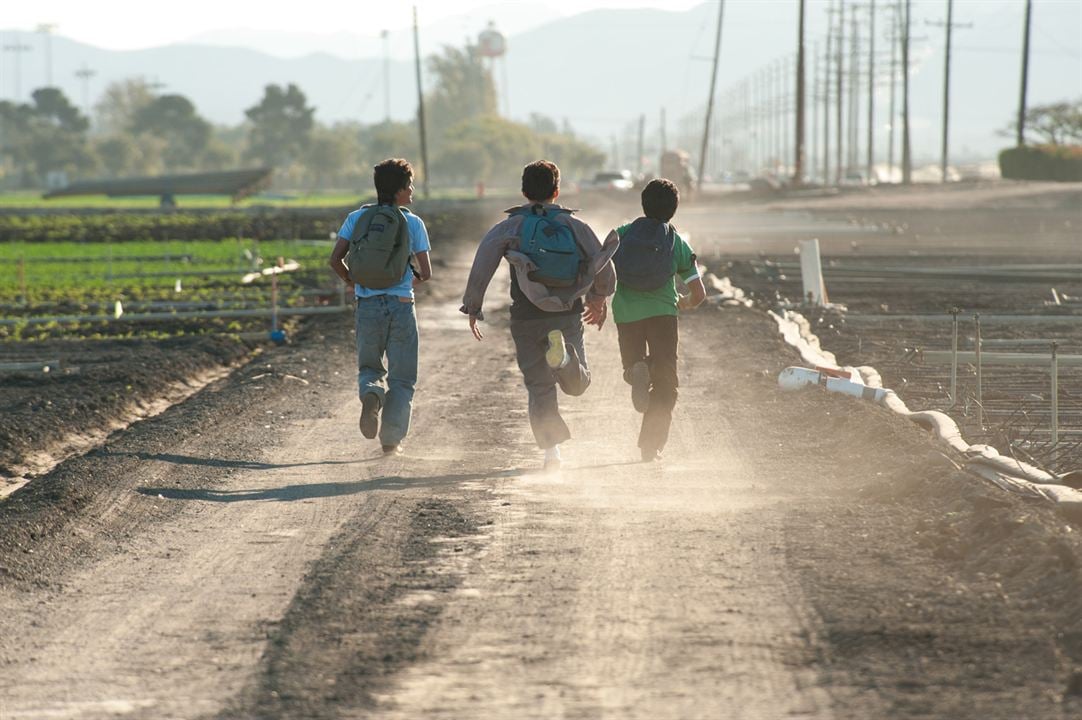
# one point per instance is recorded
(379, 247)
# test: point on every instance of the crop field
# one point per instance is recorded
(64, 290)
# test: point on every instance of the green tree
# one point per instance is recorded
(1055, 124)
(281, 126)
(115, 112)
(487, 148)
(48, 134)
(463, 89)
(334, 157)
(173, 118)
(390, 139)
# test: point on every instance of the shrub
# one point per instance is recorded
(1062, 163)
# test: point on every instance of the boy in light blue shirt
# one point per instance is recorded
(385, 320)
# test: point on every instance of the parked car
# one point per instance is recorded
(612, 180)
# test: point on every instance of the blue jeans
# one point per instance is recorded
(387, 327)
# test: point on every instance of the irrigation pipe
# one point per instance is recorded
(982, 460)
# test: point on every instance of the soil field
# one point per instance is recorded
(900, 274)
(245, 554)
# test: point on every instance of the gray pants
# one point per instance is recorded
(531, 342)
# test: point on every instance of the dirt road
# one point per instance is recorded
(247, 554)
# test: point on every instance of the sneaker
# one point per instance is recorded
(552, 459)
(650, 454)
(370, 405)
(640, 385)
(392, 449)
(556, 356)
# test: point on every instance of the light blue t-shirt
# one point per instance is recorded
(418, 243)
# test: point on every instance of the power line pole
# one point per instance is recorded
(907, 159)
(813, 154)
(642, 130)
(1021, 140)
(798, 160)
(385, 34)
(17, 48)
(854, 94)
(46, 29)
(949, 27)
(871, 90)
(710, 102)
(420, 106)
(826, 94)
(84, 73)
(894, 39)
(840, 94)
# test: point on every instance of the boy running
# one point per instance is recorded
(385, 322)
(645, 309)
(546, 310)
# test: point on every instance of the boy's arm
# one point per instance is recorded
(485, 262)
(695, 298)
(341, 249)
(423, 271)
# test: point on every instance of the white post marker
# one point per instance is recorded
(1055, 396)
(954, 358)
(811, 272)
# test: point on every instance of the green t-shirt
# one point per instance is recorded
(631, 305)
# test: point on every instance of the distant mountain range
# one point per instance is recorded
(600, 70)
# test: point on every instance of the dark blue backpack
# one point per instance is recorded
(550, 245)
(644, 259)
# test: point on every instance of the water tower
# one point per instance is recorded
(492, 44)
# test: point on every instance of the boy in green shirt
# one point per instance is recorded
(645, 309)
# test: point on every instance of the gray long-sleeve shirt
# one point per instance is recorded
(597, 278)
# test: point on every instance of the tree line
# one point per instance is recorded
(136, 131)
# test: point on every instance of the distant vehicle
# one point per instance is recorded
(676, 166)
(612, 180)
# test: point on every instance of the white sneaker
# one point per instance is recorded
(556, 356)
(552, 459)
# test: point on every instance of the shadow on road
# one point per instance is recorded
(239, 464)
(320, 490)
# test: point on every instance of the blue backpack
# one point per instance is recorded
(550, 245)
(644, 259)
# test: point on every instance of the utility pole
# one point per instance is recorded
(813, 155)
(84, 73)
(710, 102)
(1021, 140)
(642, 130)
(852, 141)
(17, 48)
(907, 158)
(798, 160)
(664, 143)
(826, 95)
(386, 76)
(420, 106)
(949, 27)
(871, 91)
(46, 29)
(894, 37)
(840, 94)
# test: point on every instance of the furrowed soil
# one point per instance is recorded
(247, 554)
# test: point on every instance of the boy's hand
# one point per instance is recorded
(474, 329)
(596, 312)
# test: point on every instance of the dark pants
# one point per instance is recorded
(653, 340)
(531, 342)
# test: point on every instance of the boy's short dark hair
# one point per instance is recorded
(390, 176)
(659, 199)
(540, 180)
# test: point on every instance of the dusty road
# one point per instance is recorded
(247, 554)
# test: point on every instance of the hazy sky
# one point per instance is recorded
(130, 24)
